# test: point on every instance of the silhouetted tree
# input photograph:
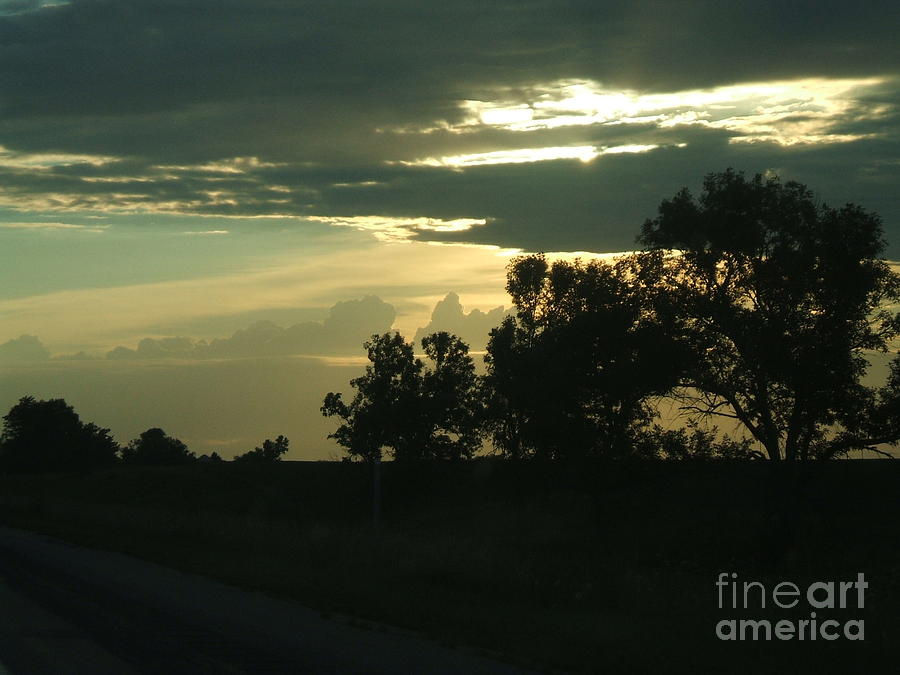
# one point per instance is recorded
(154, 448)
(573, 372)
(451, 401)
(414, 414)
(49, 436)
(271, 451)
(692, 442)
(779, 296)
(384, 396)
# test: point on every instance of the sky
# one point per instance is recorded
(206, 206)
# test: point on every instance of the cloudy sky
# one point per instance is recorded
(269, 181)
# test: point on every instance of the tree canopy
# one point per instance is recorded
(49, 436)
(154, 448)
(755, 302)
(413, 411)
(779, 297)
(572, 374)
(270, 452)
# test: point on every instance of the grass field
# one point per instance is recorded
(590, 567)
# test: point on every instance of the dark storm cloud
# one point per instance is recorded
(167, 91)
(110, 57)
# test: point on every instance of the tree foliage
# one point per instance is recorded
(412, 411)
(574, 372)
(450, 399)
(48, 435)
(779, 297)
(270, 452)
(154, 448)
(692, 442)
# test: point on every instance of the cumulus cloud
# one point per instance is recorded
(472, 327)
(348, 324)
(23, 349)
(342, 333)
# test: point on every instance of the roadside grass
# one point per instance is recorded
(587, 568)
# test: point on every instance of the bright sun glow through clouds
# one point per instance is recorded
(585, 153)
(783, 112)
(385, 228)
(756, 111)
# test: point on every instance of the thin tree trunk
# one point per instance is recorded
(376, 492)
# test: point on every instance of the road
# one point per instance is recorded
(71, 610)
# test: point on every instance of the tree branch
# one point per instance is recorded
(709, 411)
(838, 446)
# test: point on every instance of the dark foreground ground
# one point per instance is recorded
(590, 567)
(68, 610)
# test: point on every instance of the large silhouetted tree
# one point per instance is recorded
(154, 448)
(49, 436)
(573, 373)
(780, 297)
(412, 411)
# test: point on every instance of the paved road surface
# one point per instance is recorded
(70, 610)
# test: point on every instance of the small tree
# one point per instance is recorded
(49, 436)
(154, 448)
(399, 405)
(269, 453)
(381, 413)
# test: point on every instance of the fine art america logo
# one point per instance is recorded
(747, 596)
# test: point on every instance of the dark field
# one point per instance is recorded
(606, 567)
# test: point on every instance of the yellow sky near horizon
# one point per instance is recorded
(412, 275)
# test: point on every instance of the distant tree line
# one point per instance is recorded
(41, 436)
(755, 304)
